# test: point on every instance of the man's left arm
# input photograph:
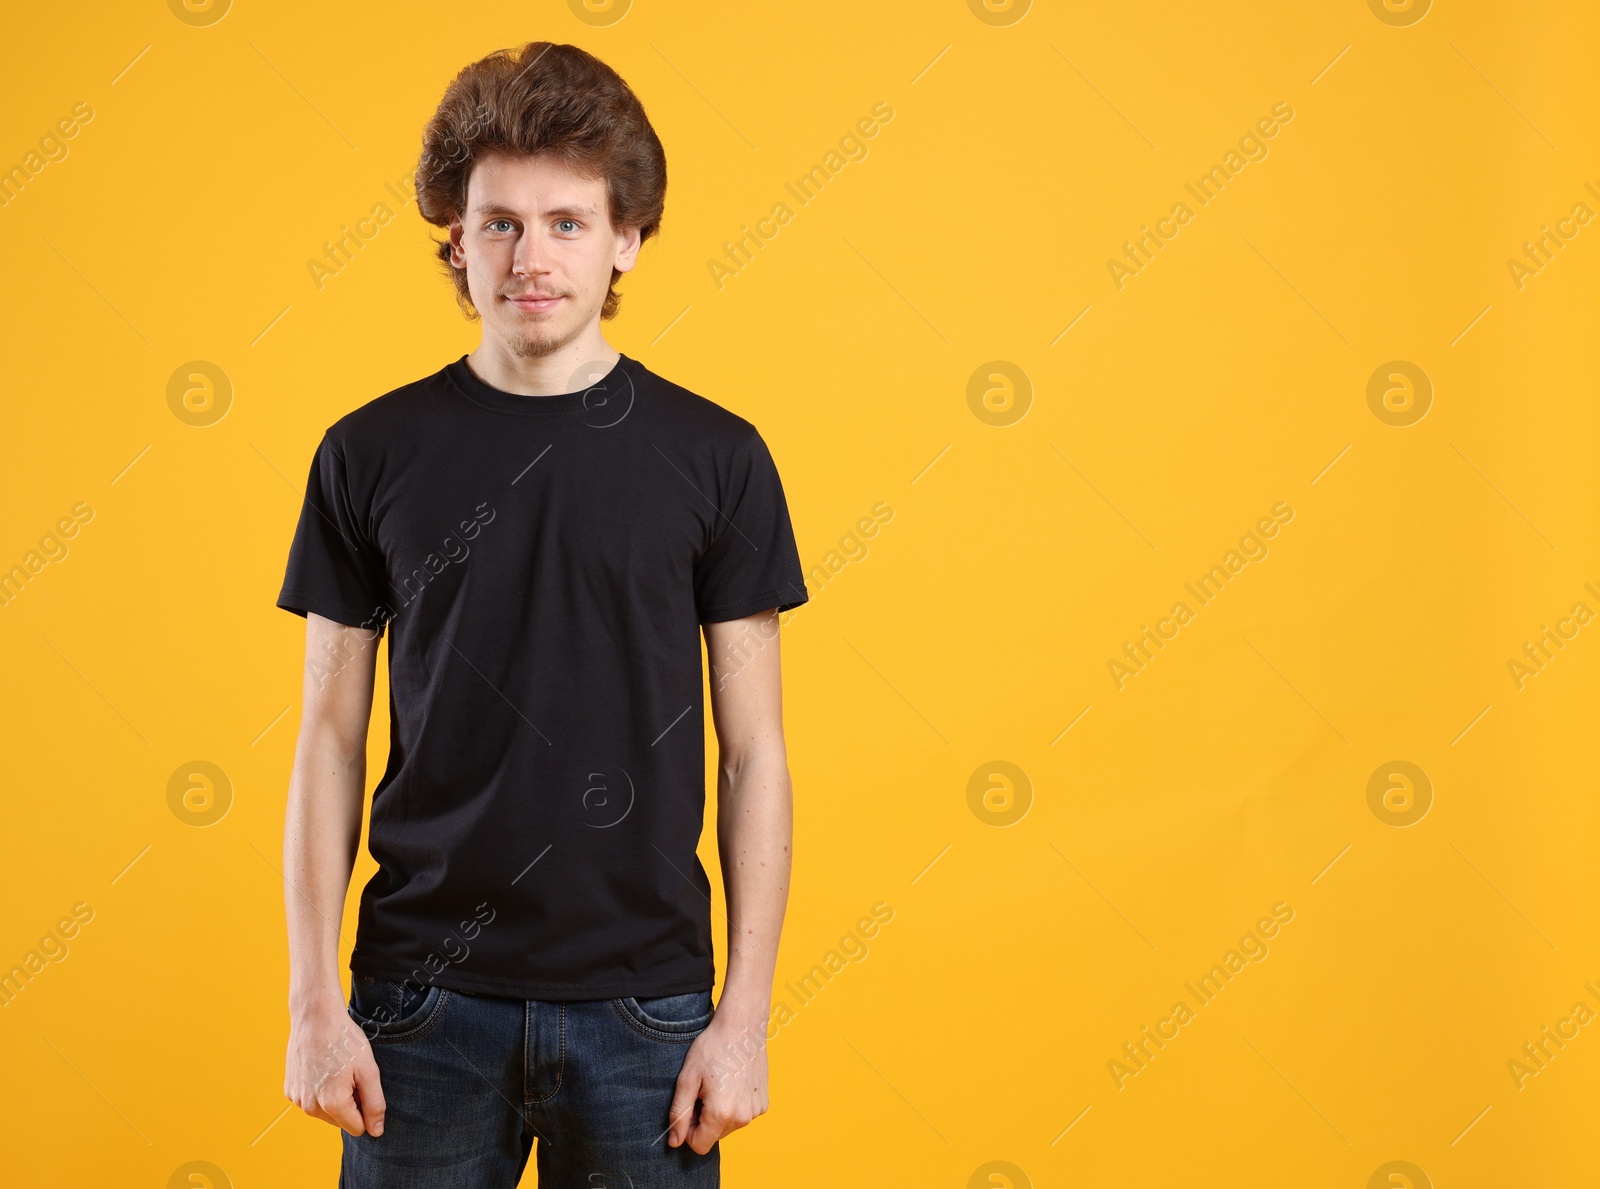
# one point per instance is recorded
(726, 1067)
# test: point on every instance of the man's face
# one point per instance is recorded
(539, 248)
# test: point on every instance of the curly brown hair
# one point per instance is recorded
(543, 98)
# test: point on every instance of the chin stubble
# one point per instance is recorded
(535, 348)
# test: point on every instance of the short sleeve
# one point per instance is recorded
(752, 563)
(333, 569)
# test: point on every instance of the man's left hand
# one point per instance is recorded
(726, 1074)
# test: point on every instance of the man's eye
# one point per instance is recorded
(568, 223)
(496, 223)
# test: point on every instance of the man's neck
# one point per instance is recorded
(570, 368)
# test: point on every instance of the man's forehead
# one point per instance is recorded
(519, 184)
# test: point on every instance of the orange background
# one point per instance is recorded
(938, 331)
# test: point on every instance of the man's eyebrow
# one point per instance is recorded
(565, 212)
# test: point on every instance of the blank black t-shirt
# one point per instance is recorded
(542, 565)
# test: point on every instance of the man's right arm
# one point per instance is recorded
(329, 1070)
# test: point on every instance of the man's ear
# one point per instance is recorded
(458, 254)
(627, 249)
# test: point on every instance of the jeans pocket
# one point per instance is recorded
(667, 1017)
(388, 1011)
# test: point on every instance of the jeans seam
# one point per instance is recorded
(561, 1058)
(421, 1029)
(645, 1030)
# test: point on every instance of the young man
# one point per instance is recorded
(543, 526)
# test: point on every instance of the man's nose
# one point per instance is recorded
(529, 257)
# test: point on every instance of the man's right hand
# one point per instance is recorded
(330, 1072)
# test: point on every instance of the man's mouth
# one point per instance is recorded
(534, 302)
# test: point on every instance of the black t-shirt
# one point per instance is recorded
(543, 565)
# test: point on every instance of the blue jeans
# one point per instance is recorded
(471, 1081)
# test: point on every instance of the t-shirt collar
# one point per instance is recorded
(592, 398)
